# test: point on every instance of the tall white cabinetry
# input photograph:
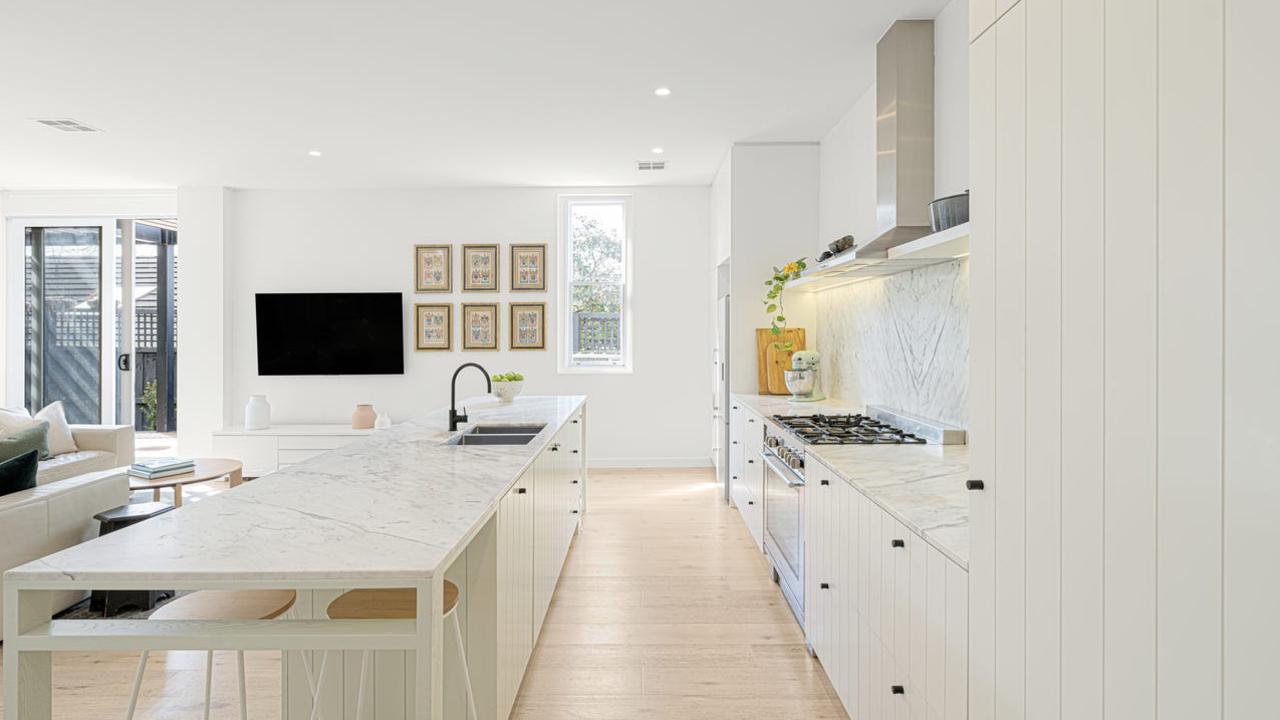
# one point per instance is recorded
(885, 612)
(1123, 344)
(556, 508)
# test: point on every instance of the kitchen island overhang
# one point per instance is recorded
(392, 511)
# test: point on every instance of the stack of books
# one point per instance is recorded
(157, 468)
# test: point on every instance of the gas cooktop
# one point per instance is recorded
(845, 430)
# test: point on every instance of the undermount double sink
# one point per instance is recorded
(508, 434)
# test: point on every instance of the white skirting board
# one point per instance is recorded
(649, 462)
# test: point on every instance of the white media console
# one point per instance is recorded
(279, 446)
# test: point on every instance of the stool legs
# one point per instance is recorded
(208, 682)
(244, 694)
(137, 684)
(462, 658)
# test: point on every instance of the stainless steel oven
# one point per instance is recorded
(784, 515)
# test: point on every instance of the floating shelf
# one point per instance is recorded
(939, 247)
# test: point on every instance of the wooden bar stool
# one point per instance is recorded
(218, 605)
(398, 604)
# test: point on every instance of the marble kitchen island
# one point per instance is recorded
(400, 509)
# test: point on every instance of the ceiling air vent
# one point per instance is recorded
(651, 164)
(66, 125)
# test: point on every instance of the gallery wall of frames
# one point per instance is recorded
(482, 323)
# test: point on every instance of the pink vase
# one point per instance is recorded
(363, 417)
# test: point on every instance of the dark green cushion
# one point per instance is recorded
(24, 441)
(19, 473)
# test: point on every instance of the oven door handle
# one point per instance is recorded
(786, 473)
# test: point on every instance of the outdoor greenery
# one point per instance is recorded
(597, 266)
(773, 299)
(148, 403)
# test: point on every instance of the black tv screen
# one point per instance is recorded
(330, 334)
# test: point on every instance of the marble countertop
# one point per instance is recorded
(391, 506)
(922, 486)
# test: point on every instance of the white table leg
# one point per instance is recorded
(28, 676)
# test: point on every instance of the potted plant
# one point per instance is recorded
(773, 300)
(507, 386)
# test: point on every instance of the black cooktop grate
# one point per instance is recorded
(845, 430)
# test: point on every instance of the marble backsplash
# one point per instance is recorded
(901, 341)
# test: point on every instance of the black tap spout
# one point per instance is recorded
(454, 416)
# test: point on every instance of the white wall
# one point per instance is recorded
(951, 99)
(204, 315)
(1124, 344)
(363, 241)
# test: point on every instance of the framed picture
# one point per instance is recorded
(433, 268)
(528, 267)
(479, 326)
(433, 326)
(480, 267)
(528, 326)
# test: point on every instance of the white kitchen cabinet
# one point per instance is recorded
(557, 498)
(885, 612)
(279, 446)
(515, 590)
(746, 469)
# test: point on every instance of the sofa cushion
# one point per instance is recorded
(14, 419)
(60, 438)
(61, 467)
(24, 441)
(19, 473)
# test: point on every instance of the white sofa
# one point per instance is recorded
(101, 447)
(55, 515)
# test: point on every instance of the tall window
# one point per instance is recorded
(594, 284)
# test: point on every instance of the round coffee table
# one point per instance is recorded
(206, 469)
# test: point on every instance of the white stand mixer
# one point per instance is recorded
(802, 378)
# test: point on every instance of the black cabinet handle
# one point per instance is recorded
(824, 482)
(555, 448)
(898, 543)
(751, 462)
(751, 502)
(824, 586)
(575, 452)
(575, 422)
(735, 442)
(575, 482)
(575, 512)
(974, 485)
(521, 491)
(735, 407)
(897, 690)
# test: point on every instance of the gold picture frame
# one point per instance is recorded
(433, 268)
(528, 326)
(480, 268)
(433, 326)
(528, 268)
(480, 326)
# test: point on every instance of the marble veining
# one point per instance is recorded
(922, 486)
(392, 506)
(901, 341)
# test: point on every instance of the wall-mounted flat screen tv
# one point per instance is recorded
(330, 333)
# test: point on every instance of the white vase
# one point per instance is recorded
(257, 413)
(383, 422)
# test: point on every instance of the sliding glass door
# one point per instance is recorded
(63, 322)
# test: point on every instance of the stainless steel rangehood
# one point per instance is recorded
(904, 135)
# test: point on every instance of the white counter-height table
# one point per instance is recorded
(395, 510)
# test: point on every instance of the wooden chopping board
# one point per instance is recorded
(771, 363)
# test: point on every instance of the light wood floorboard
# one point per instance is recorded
(665, 610)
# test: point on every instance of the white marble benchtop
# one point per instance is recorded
(389, 507)
(920, 485)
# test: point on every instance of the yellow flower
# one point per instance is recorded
(791, 268)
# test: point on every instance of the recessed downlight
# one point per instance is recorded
(662, 91)
(657, 151)
(314, 153)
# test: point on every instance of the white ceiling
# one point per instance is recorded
(424, 93)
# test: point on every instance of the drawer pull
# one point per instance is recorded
(575, 482)
(575, 512)
(824, 586)
(824, 482)
(974, 485)
(575, 452)
(521, 491)
(575, 422)
(751, 462)
(751, 502)
(898, 543)
(897, 690)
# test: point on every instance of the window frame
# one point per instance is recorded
(567, 364)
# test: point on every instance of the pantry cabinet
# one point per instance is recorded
(885, 612)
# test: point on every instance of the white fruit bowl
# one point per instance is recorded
(507, 390)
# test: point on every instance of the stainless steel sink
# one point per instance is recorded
(497, 435)
(530, 429)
